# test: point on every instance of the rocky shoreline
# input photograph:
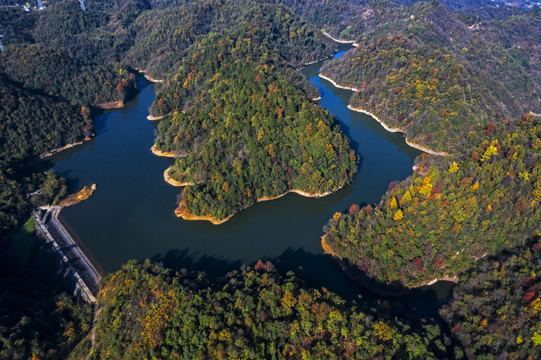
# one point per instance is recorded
(161, 153)
(385, 126)
(393, 130)
(341, 41)
(338, 85)
(182, 211)
(57, 150)
(112, 105)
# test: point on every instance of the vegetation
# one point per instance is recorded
(56, 73)
(496, 312)
(450, 86)
(449, 212)
(425, 71)
(246, 133)
(255, 314)
(238, 117)
(31, 124)
(38, 319)
(162, 41)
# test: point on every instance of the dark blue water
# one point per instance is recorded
(130, 216)
(339, 54)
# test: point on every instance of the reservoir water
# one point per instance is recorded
(131, 214)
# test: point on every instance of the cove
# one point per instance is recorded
(131, 214)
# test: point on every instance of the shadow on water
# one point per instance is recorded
(317, 271)
(213, 267)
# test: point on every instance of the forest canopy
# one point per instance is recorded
(461, 77)
(242, 131)
(450, 212)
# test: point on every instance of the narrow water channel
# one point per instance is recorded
(130, 216)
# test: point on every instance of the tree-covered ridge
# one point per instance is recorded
(31, 123)
(343, 19)
(55, 73)
(246, 133)
(449, 212)
(425, 71)
(350, 20)
(66, 52)
(496, 313)
(419, 90)
(520, 38)
(162, 41)
(147, 312)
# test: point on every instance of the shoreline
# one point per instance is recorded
(360, 277)
(82, 195)
(336, 84)
(65, 147)
(151, 79)
(453, 279)
(316, 61)
(148, 77)
(111, 105)
(153, 118)
(385, 126)
(161, 153)
(425, 149)
(181, 211)
(394, 130)
(326, 247)
(341, 41)
(185, 215)
(168, 179)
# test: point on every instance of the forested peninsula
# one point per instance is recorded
(416, 73)
(249, 136)
(461, 78)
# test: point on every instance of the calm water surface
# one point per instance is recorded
(130, 216)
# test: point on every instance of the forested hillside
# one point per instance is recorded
(55, 73)
(31, 124)
(161, 41)
(456, 76)
(452, 88)
(425, 72)
(253, 314)
(497, 310)
(243, 132)
(38, 318)
(450, 212)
